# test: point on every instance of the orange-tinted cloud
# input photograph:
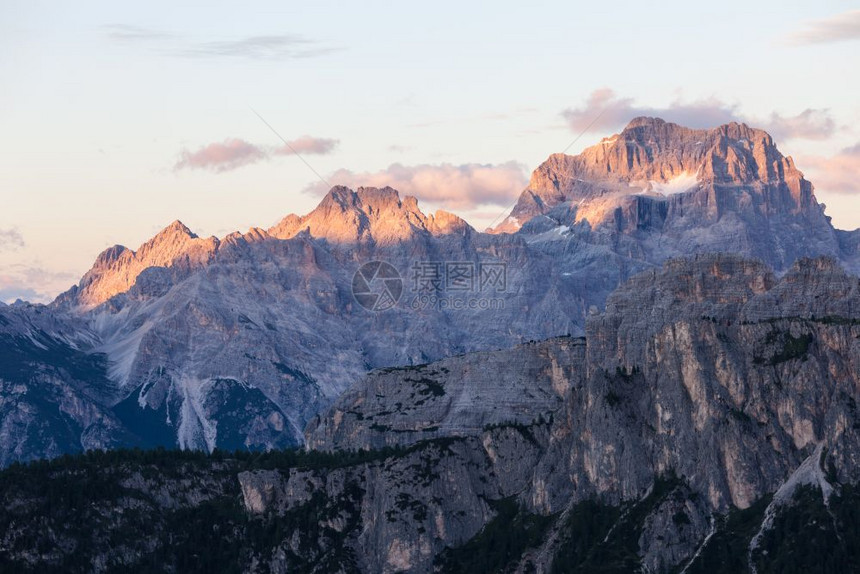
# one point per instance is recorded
(234, 153)
(810, 124)
(223, 156)
(837, 174)
(845, 26)
(604, 111)
(451, 186)
(308, 145)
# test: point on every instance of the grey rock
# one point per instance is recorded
(459, 396)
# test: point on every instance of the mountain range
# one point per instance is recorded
(706, 422)
(239, 342)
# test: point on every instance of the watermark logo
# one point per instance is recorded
(458, 285)
(440, 285)
(377, 286)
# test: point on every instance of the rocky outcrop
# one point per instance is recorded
(399, 513)
(695, 370)
(711, 370)
(460, 396)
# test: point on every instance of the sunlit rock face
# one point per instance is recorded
(659, 189)
(368, 214)
(661, 159)
(117, 268)
(239, 342)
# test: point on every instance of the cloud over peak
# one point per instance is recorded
(839, 173)
(460, 187)
(604, 111)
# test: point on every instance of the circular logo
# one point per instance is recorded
(377, 286)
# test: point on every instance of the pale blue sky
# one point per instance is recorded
(99, 100)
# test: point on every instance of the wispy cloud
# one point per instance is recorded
(810, 124)
(839, 28)
(127, 33)
(836, 174)
(222, 156)
(11, 239)
(451, 186)
(33, 283)
(605, 111)
(259, 47)
(234, 153)
(308, 145)
(613, 111)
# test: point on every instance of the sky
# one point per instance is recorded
(118, 118)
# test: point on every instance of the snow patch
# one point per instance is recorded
(678, 184)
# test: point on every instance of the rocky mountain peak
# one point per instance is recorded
(366, 214)
(656, 159)
(171, 239)
(116, 269)
(175, 230)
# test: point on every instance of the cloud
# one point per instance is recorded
(263, 47)
(33, 283)
(604, 111)
(845, 26)
(127, 33)
(308, 145)
(219, 157)
(810, 124)
(836, 174)
(259, 48)
(11, 240)
(452, 186)
(234, 153)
